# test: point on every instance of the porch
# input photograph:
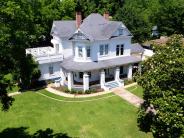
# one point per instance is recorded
(105, 78)
(84, 74)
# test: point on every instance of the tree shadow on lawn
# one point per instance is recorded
(21, 132)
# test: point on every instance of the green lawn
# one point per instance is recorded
(105, 118)
(137, 90)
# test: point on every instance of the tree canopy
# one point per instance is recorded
(162, 81)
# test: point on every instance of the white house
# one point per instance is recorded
(86, 52)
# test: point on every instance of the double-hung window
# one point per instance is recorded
(57, 48)
(51, 70)
(80, 52)
(104, 49)
(88, 51)
(119, 50)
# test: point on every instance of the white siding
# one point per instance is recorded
(67, 48)
(44, 68)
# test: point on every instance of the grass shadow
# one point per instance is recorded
(22, 132)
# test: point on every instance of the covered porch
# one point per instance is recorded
(106, 74)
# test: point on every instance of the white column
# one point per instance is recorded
(117, 73)
(129, 72)
(102, 78)
(70, 80)
(85, 81)
(63, 78)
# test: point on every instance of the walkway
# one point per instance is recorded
(128, 96)
(14, 93)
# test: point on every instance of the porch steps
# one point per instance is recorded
(112, 84)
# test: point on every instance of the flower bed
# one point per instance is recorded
(74, 91)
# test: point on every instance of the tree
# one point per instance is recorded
(26, 24)
(162, 81)
(169, 17)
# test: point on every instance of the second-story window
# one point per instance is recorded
(104, 49)
(80, 52)
(119, 50)
(88, 51)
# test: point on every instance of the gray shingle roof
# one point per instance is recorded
(136, 48)
(63, 29)
(71, 65)
(95, 27)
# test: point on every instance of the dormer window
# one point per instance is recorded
(121, 31)
(88, 51)
(80, 52)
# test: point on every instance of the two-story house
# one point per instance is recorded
(90, 51)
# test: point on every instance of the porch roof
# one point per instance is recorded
(70, 65)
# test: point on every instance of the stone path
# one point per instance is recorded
(128, 96)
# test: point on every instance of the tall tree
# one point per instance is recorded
(162, 81)
(170, 17)
(25, 24)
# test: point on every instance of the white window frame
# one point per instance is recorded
(88, 49)
(120, 47)
(80, 51)
(51, 69)
(57, 47)
(104, 49)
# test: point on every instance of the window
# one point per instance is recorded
(120, 31)
(80, 52)
(104, 49)
(88, 51)
(121, 70)
(119, 50)
(107, 71)
(89, 73)
(51, 70)
(80, 75)
(57, 48)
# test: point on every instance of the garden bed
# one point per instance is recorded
(74, 91)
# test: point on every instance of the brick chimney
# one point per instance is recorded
(106, 15)
(78, 19)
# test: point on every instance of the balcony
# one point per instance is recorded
(45, 54)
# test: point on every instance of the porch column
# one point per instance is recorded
(70, 80)
(129, 71)
(63, 78)
(85, 81)
(102, 78)
(117, 73)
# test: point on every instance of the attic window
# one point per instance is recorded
(121, 31)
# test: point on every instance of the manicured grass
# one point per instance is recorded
(107, 118)
(137, 90)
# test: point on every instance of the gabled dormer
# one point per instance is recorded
(78, 35)
(121, 31)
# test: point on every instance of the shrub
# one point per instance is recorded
(128, 81)
(65, 89)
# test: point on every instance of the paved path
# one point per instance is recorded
(128, 96)
(14, 93)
